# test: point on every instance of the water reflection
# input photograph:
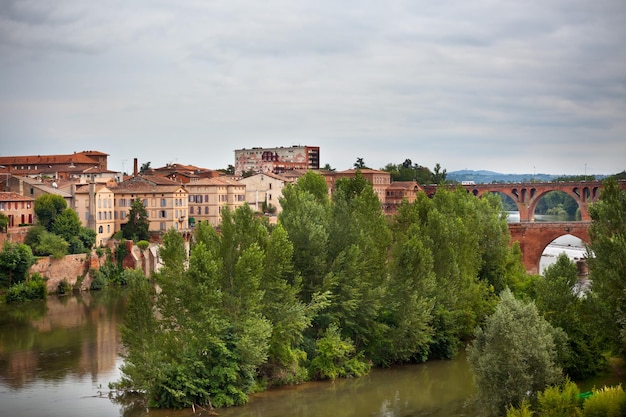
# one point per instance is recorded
(58, 352)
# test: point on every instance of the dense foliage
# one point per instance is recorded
(608, 263)
(59, 230)
(331, 289)
(515, 355)
(15, 262)
(32, 289)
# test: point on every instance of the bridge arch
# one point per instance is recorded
(535, 237)
(526, 196)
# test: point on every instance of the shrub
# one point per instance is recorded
(336, 357)
(606, 402)
(523, 411)
(99, 282)
(64, 287)
(554, 402)
(143, 244)
(33, 289)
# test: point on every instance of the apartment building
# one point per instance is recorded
(209, 196)
(19, 209)
(166, 202)
(276, 160)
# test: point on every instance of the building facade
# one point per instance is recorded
(166, 202)
(19, 209)
(276, 160)
(95, 206)
(56, 166)
(209, 196)
(263, 191)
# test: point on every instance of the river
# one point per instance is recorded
(58, 357)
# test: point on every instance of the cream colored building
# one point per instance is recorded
(208, 197)
(95, 206)
(264, 188)
(166, 202)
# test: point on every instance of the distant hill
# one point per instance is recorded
(488, 177)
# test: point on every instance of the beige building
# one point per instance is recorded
(208, 197)
(95, 206)
(264, 190)
(166, 202)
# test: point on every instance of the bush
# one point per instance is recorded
(523, 411)
(336, 357)
(99, 282)
(554, 402)
(33, 289)
(64, 287)
(143, 244)
(606, 402)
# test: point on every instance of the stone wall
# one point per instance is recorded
(70, 268)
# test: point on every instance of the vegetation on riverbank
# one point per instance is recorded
(334, 287)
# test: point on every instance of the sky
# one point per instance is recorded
(503, 85)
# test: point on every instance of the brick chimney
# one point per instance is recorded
(135, 170)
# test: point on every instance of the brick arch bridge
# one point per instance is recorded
(526, 196)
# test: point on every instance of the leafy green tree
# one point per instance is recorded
(4, 223)
(608, 260)
(66, 224)
(47, 207)
(359, 240)
(439, 176)
(514, 355)
(306, 221)
(408, 302)
(138, 224)
(50, 244)
(560, 301)
(336, 357)
(145, 167)
(15, 262)
(315, 184)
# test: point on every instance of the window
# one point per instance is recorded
(122, 215)
(108, 228)
(162, 214)
(163, 202)
(206, 198)
(206, 210)
(162, 225)
(191, 210)
(100, 229)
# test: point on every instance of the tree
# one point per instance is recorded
(138, 224)
(15, 262)
(607, 260)
(145, 167)
(315, 184)
(514, 355)
(360, 164)
(47, 208)
(50, 244)
(560, 301)
(66, 224)
(4, 223)
(439, 176)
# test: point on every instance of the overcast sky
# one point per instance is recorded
(505, 85)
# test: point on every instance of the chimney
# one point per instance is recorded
(135, 171)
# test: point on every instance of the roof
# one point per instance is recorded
(84, 188)
(268, 174)
(214, 181)
(43, 186)
(4, 196)
(148, 184)
(75, 158)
